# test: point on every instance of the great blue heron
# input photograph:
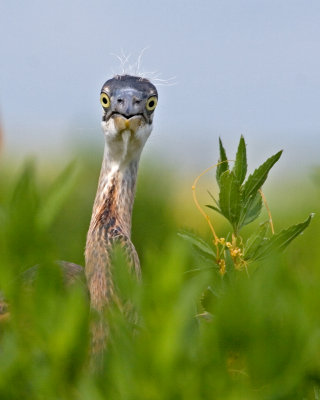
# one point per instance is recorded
(128, 104)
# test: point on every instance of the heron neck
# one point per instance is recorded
(113, 204)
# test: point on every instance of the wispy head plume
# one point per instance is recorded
(135, 69)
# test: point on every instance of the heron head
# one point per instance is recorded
(128, 104)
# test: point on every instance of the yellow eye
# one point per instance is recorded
(105, 100)
(151, 103)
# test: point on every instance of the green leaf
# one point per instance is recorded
(257, 179)
(57, 195)
(215, 201)
(281, 240)
(250, 210)
(255, 241)
(224, 166)
(214, 208)
(25, 189)
(208, 299)
(240, 165)
(229, 276)
(229, 198)
(198, 243)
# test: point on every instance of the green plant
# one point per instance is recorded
(264, 340)
(240, 201)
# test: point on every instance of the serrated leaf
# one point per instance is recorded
(281, 240)
(56, 196)
(255, 241)
(240, 165)
(229, 197)
(197, 242)
(250, 210)
(257, 179)
(224, 166)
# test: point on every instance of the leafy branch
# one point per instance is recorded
(240, 201)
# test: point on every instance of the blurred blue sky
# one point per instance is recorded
(240, 67)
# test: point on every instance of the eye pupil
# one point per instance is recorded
(105, 101)
(151, 103)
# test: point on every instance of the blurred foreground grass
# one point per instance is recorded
(263, 341)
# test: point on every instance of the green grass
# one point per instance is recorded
(263, 341)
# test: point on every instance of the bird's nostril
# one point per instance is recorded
(120, 101)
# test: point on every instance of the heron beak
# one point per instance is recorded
(127, 124)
